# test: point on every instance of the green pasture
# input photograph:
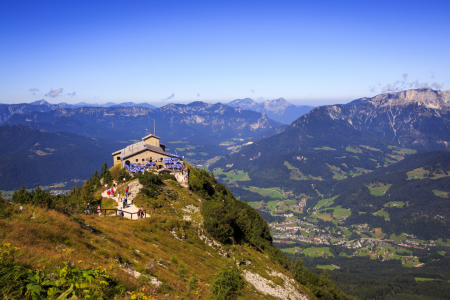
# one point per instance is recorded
(295, 173)
(308, 234)
(267, 192)
(382, 213)
(418, 173)
(310, 251)
(213, 160)
(324, 148)
(255, 204)
(390, 161)
(328, 267)
(272, 205)
(338, 173)
(353, 150)
(424, 279)
(409, 264)
(378, 189)
(230, 176)
(291, 250)
(409, 151)
(286, 205)
(397, 252)
(325, 202)
(441, 242)
(357, 172)
(339, 211)
(398, 204)
(396, 238)
(370, 148)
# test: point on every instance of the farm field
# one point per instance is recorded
(417, 173)
(353, 150)
(325, 202)
(382, 213)
(233, 175)
(398, 204)
(272, 192)
(328, 267)
(378, 189)
(369, 148)
(311, 251)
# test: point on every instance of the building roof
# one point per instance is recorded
(139, 147)
(149, 136)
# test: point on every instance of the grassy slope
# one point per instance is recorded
(138, 243)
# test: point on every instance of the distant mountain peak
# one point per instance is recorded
(278, 109)
(427, 97)
(40, 102)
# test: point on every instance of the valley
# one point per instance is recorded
(333, 193)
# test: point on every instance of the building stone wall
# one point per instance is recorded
(141, 157)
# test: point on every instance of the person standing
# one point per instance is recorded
(120, 212)
(139, 214)
(142, 212)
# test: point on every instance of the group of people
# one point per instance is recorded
(87, 211)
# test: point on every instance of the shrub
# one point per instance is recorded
(182, 270)
(227, 284)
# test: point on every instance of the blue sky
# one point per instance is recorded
(308, 52)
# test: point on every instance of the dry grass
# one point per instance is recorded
(40, 233)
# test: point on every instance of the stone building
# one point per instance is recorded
(148, 150)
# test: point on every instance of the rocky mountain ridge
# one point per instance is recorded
(428, 97)
(8, 110)
(198, 119)
(414, 118)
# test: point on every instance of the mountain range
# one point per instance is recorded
(8, 110)
(279, 109)
(204, 122)
(337, 142)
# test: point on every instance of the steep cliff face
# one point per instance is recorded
(413, 118)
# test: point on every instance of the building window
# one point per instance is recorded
(118, 157)
(143, 159)
(137, 160)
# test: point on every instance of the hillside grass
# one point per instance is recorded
(48, 238)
